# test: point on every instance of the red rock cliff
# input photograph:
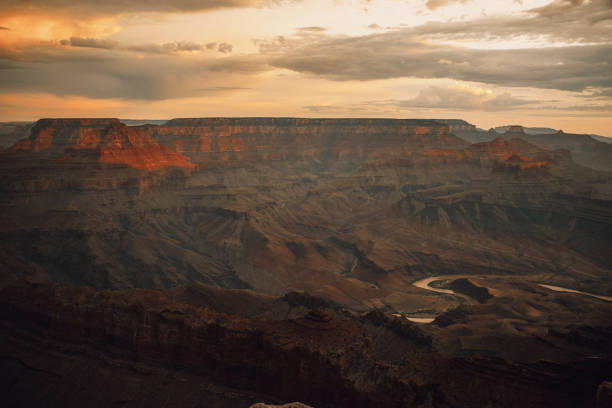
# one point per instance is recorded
(281, 138)
(103, 140)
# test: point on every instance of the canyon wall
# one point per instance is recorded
(323, 358)
(352, 209)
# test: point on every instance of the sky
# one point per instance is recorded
(530, 62)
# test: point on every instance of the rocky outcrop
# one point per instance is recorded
(283, 359)
(457, 315)
(400, 326)
(317, 320)
(107, 141)
(584, 149)
(458, 125)
(468, 288)
(503, 156)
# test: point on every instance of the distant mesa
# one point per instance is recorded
(503, 155)
(515, 129)
(103, 140)
(317, 319)
(457, 125)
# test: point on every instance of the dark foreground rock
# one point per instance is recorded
(54, 335)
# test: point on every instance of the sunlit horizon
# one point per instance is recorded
(538, 63)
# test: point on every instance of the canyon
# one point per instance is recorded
(275, 259)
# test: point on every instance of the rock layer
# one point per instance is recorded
(351, 210)
(353, 364)
(105, 140)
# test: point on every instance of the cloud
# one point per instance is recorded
(561, 21)
(115, 73)
(164, 48)
(596, 10)
(225, 48)
(4, 28)
(460, 97)
(434, 4)
(313, 29)
(90, 8)
(399, 53)
(341, 110)
(90, 43)
(224, 88)
(597, 94)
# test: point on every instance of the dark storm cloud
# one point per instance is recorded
(109, 7)
(98, 73)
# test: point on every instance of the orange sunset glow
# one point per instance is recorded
(537, 63)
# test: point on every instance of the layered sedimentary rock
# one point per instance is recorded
(283, 138)
(283, 253)
(513, 156)
(355, 363)
(105, 140)
(458, 125)
(586, 150)
(352, 210)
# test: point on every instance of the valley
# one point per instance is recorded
(197, 242)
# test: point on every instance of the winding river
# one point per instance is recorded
(424, 284)
(560, 289)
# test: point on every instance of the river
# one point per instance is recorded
(424, 284)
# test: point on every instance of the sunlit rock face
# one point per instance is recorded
(286, 138)
(107, 140)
